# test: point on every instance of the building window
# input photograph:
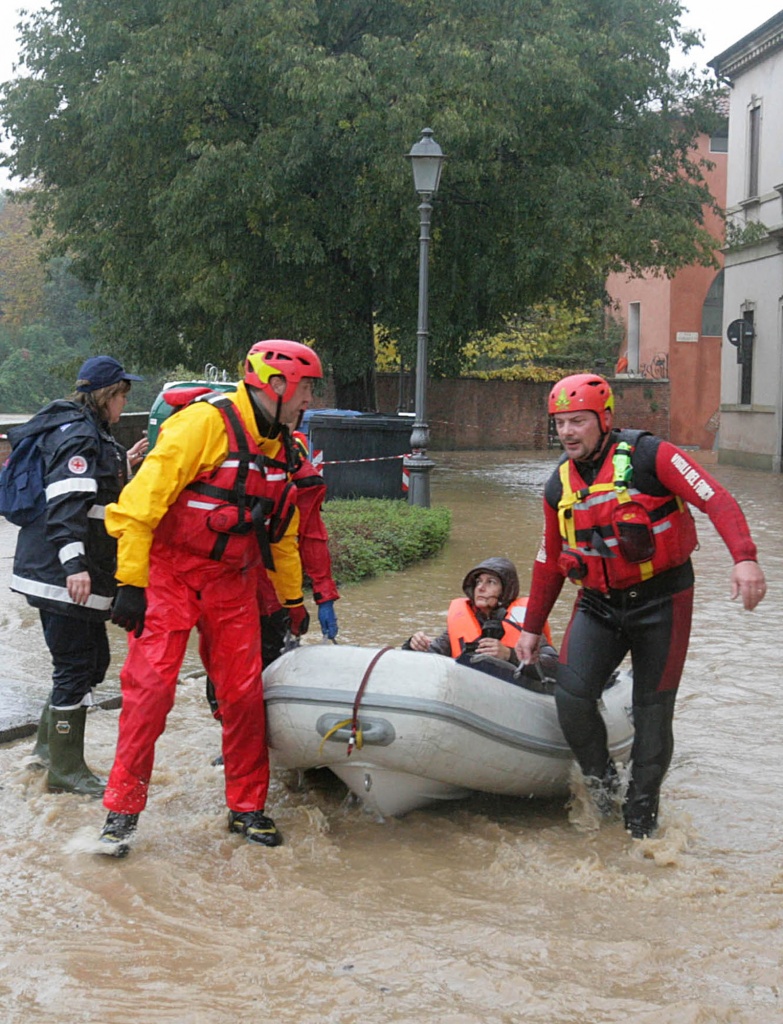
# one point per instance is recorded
(712, 310)
(754, 145)
(634, 335)
(720, 143)
(745, 359)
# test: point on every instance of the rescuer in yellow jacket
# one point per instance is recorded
(206, 510)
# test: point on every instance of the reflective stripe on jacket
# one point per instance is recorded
(84, 470)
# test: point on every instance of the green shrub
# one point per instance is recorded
(369, 536)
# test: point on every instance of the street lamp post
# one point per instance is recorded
(426, 159)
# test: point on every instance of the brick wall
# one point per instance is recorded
(468, 414)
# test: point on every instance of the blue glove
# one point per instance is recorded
(328, 619)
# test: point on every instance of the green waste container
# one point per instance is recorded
(161, 410)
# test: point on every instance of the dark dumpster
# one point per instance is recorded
(361, 453)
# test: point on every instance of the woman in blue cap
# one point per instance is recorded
(64, 560)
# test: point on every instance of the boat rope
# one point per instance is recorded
(355, 739)
(356, 732)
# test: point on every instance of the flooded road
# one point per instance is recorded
(488, 911)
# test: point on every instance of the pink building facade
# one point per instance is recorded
(673, 326)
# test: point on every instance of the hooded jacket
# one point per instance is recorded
(462, 613)
(506, 572)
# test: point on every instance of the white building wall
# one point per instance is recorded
(751, 431)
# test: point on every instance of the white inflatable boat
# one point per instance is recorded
(403, 729)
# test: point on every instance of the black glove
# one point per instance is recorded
(129, 609)
(273, 630)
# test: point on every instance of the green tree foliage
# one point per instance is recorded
(22, 273)
(540, 344)
(45, 328)
(39, 355)
(226, 170)
(548, 339)
(33, 373)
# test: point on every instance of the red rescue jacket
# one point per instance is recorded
(613, 535)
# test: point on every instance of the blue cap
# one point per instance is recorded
(101, 372)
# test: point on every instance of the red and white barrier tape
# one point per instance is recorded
(347, 462)
(319, 462)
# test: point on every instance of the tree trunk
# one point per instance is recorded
(354, 376)
(358, 394)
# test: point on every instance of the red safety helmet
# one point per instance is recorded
(582, 391)
(279, 358)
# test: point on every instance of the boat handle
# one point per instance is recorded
(376, 731)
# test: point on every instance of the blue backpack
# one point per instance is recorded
(22, 488)
(22, 493)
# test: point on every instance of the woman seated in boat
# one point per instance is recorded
(482, 627)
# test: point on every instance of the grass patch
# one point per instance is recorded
(369, 536)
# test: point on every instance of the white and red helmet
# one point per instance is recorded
(279, 358)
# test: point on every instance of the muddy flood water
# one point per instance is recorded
(483, 911)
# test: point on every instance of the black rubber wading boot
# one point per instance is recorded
(640, 825)
(67, 771)
(116, 832)
(604, 791)
(641, 828)
(641, 816)
(255, 826)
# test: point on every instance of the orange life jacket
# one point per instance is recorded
(464, 626)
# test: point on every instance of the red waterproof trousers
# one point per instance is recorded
(185, 591)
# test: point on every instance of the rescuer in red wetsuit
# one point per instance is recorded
(207, 507)
(617, 523)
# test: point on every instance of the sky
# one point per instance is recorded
(722, 24)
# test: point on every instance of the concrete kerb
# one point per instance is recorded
(17, 726)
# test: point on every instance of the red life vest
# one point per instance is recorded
(464, 626)
(614, 535)
(232, 513)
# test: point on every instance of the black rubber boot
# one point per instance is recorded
(116, 832)
(67, 771)
(40, 755)
(604, 791)
(650, 758)
(641, 820)
(255, 826)
(212, 700)
(214, 707)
